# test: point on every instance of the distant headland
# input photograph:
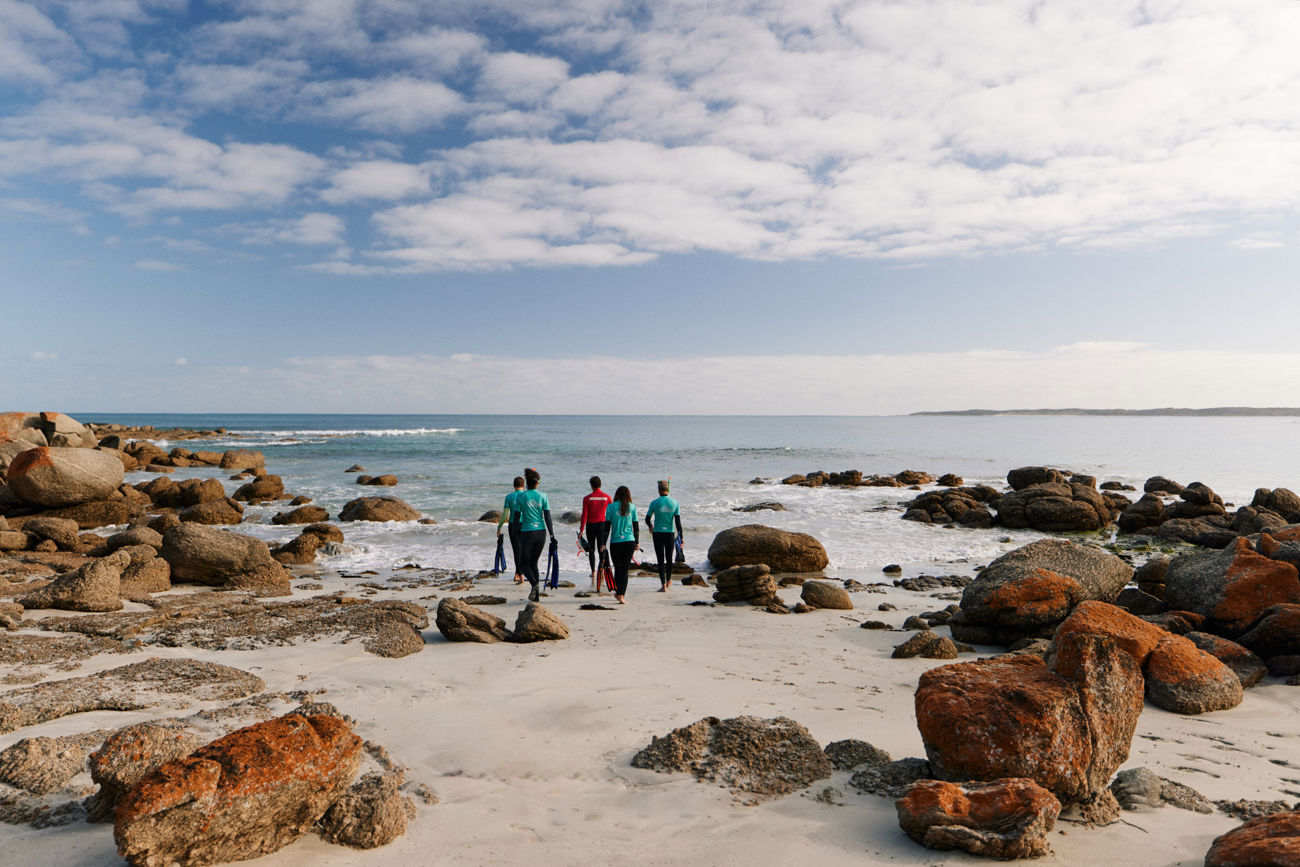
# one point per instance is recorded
(1280, 411)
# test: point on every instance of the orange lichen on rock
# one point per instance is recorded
(1252, 583)
(1182, 678)
(1133, 635)
(31, 459)
(1267, 840)
(1041, 596)
(241, 796)
(1002, 819)
(1005, 717)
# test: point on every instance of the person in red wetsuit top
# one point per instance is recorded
(594, 527)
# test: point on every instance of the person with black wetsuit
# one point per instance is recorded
(534, 526)
(660, 516)
(624, 534)
(510, 517)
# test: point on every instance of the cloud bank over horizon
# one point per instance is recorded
(367, 137)
(1097, 375)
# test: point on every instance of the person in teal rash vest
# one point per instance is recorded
(624, 534)
(660, 517)
(534, 511)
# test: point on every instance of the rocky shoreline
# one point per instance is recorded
(206, 643)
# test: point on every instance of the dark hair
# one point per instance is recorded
(595, 483)
(663, 486)
(624, 499)
(519, 481)
(532, 477)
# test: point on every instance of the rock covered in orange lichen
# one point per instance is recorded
(1185, 679)
(1180, 677)
(128, 755)
(1026, 592)
(1263, 842)
(241, 796)
(1233, 587)
(1001, 819)
(1067, 729)
(1133, 635)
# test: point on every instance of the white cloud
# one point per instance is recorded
(402, 104)
(612, 132)
(181, 362)
(157, 265)
(41, 355)
(377, 179)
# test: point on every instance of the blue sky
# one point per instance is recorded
(691, 206)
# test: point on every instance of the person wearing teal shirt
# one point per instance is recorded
(508, 513)
(534, 516)
(660, 516)
(624, 534)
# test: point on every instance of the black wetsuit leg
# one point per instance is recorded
(622, 554)
(597, 537)
(664, 548)
(531, 545)
(514, 546)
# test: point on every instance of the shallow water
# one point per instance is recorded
(454, 468)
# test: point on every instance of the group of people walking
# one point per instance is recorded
(609, 526)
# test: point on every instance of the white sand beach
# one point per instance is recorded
(528, 746)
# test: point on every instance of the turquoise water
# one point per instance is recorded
(455, 467)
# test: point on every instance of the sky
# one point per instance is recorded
(685, 206)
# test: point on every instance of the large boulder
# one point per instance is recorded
(1266, 841)
(10, 447)
(54, 477)
(1025, 593)
(94, 587)
(241, 796)
(460, 621)
(377, 509)
(965, 506)
(1067, 727)
(1233, 587)
(100, 513)
(61, 531)
(535, 623)
(1180, 677)
(762, 758)
(261, 490)
(1004, 819)
(1053, 505)
(782, 550)
(242, 460)
(23, 426)
(230, 561)
(214, 512)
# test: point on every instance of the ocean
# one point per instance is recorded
(455, 467)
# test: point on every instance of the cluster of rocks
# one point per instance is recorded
(855, 479)
(458, 620)
(1052, 501)
(1203, 626)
